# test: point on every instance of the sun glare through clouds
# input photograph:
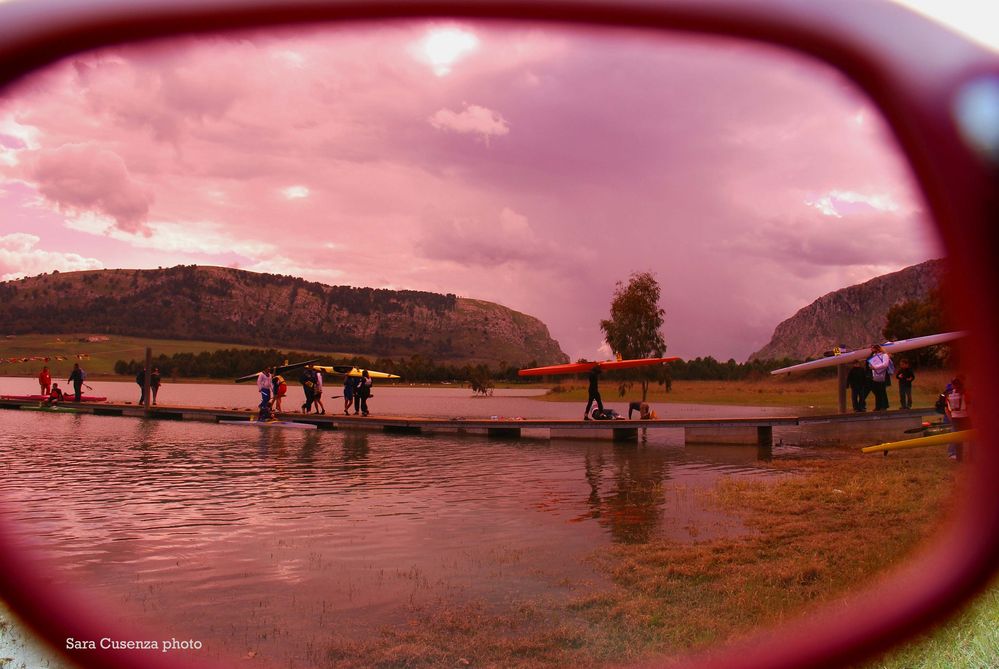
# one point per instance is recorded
(442, 48)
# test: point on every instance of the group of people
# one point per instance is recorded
(874, 375)
(154, 384)
(356, 392)
(53, 393)
(273, 388)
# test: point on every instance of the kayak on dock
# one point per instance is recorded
(40, 398)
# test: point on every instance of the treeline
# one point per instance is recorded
(232, 363)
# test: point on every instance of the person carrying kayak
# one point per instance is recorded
(349, 386)
(363, 393)
(264, 386)
(308, 381)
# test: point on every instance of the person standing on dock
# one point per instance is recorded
(280, 390)
(593, 392)
(317, 398)
(880, 364)
(308, 381)
(857, 382)
(140, 379)
(905, 378)
(154, 382)
(348, 393)
(363, 393)
(264, 386)
(76, 378)
(45, 381)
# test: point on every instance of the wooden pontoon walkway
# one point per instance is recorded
(742, 430)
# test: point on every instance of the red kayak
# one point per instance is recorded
(605, 365)
(39, 398)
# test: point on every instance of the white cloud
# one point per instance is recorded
(296, 192)
(194, 237)
(473, 119)
(19, 256)
(285, 265)
(838, 203)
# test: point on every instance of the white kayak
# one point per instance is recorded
(270, 423)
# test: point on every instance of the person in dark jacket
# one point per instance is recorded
(349, 385)
(363, 393)
(856, 381)
(905, 378)
(76, 378)
(140, 379)
(308, 381)
(593, 392)
(154, 382)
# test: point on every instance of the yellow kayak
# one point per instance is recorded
(934, 440)
(353, 371)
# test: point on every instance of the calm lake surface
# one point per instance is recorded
(270, 542)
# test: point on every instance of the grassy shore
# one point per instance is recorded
(811, 536)
(100, 355)
(796, 391)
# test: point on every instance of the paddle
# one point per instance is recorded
(924, 427)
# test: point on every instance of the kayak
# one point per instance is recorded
(270, 423)
(582, 367)
(39, 398)
(52, 409)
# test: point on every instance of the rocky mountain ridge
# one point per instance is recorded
(854, 316)
(229, 305)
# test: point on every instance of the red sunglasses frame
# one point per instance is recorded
(911, 68)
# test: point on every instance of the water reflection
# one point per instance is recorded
(203, 528)
(626, 491)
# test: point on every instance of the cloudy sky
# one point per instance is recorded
(527, 167)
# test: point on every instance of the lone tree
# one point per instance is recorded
(634, 329)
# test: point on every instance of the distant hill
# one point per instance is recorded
(854, 316)
(229, 305)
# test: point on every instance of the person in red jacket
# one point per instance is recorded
(45, 381)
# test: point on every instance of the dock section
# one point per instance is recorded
(817, 429)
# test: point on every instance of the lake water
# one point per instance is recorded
(268, 542)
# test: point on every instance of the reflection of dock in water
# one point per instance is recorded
(829, 429)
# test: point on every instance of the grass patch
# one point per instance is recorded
(969, 641)
(101, 354)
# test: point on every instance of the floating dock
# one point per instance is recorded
(825, 429)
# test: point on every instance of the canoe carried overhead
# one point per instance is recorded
(353, 371)
(582, 367)
(841, 357)
(277, 370)
(40, 398)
